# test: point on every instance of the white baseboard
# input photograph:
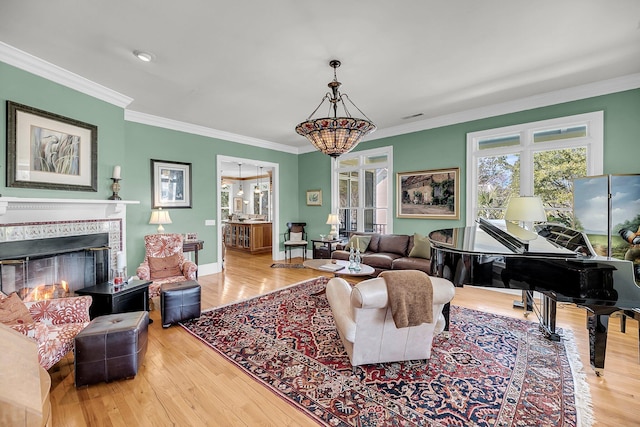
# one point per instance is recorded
(213, 268)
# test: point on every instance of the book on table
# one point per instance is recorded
(331, 267)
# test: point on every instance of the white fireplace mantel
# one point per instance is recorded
(35, 218)
(22, 209)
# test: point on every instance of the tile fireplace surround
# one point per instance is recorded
(30, 218)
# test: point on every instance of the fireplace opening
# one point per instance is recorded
(53, 268)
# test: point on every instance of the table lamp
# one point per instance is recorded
(333, 221)
(160, 217)
(525, 210)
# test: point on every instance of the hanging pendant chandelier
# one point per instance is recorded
(240, 192)
(335, 135)
(257, 189)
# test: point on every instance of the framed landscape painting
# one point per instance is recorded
(432, 194)
(46, 150)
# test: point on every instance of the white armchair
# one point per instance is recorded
(366, 326)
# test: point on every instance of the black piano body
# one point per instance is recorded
(558, 262)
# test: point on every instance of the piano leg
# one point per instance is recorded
(633, 314)
(548, 317)
(597, 324)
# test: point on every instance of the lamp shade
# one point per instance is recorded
(338, 134)
(525, 209)
(160, 217)
(333, 219)
(335, 136)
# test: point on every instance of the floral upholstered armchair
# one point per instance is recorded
(164, 262)
(52, 323)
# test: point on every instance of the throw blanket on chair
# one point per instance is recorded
(410, 297)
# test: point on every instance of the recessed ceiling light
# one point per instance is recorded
(143, 56)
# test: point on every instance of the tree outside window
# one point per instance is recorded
(541, 158)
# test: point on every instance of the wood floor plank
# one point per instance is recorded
(185, 383)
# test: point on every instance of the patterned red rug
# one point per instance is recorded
(492, 371)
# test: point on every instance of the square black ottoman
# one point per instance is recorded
(179, 301)
(112, 347)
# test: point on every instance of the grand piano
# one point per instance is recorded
(556, 261)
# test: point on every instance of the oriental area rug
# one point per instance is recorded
(491, 371)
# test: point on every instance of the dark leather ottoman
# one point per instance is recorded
(112, 347)
(179, 301)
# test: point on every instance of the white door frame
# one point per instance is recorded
(275, 200)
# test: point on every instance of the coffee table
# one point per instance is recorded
(132, 296)
(315, 264)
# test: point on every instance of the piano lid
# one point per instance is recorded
(496, 239)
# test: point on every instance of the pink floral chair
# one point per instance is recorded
(55, 326)
(164, 262)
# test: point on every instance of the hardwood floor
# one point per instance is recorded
(185, 383)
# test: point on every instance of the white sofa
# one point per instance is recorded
(366, 326)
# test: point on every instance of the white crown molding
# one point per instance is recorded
(37, 66)
(604, 87)
(49, 71)
(307, 149)
(149, 119)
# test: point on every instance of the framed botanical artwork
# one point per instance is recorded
(237, 204)
(314, 197)
(46, 150)
(170, 184)
(433, 194)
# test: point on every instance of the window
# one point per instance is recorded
(361, 190)
(261, 200)
(224, 201)
(539, 158)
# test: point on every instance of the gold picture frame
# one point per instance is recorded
(430, 194)
(238, 206)
(314, 197)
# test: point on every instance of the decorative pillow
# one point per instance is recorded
(421, 247)
(160, 268)
(13, 311)
(358, 242)
(295, 237)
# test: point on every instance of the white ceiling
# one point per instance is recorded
(257, 68)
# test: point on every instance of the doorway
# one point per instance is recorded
(241, 168)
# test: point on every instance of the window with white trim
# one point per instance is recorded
(261, 200)
(361, 189)
(539, 158)
(225, 210)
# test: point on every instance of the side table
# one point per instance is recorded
(133, 296)
(193, 246)
(322, 248)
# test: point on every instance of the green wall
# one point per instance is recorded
(144, 142)
(132, 145)
(445, 147)
(25, 88)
